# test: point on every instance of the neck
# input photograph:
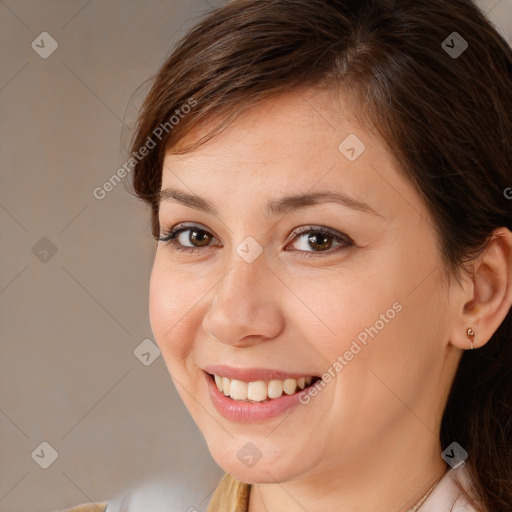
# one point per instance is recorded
(386, 483)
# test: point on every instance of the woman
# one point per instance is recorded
(330, 191)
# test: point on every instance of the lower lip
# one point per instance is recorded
(249, 412)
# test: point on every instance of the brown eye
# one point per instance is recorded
(320, 241)
(186, 238)
(197, 237)
(311, 239)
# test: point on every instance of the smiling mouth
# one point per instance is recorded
(261, 391)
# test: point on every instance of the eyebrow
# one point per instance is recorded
(274, 207)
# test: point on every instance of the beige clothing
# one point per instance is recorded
(230, 496)
(88, 507)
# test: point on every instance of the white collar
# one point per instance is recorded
(447, 496)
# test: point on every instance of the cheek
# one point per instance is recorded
(381, 315)
(171, 311)
(345, 304)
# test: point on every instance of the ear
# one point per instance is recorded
(487, 294)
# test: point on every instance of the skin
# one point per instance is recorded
(370, 439)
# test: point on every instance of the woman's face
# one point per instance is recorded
(362, 304)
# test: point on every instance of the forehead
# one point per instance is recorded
(298, 142)
(300, 117)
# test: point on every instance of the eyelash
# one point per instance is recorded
(169, 238)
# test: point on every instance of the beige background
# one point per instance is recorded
(70, 324)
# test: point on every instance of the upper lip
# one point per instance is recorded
(253, 374)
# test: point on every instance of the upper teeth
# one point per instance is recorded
(259, 390)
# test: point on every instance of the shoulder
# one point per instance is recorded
(87, 507)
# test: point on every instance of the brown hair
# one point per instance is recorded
(446, 117)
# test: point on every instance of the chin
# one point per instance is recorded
(268, 469)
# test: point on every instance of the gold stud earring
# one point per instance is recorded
(470, 333)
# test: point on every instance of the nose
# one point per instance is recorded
(244, 311)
